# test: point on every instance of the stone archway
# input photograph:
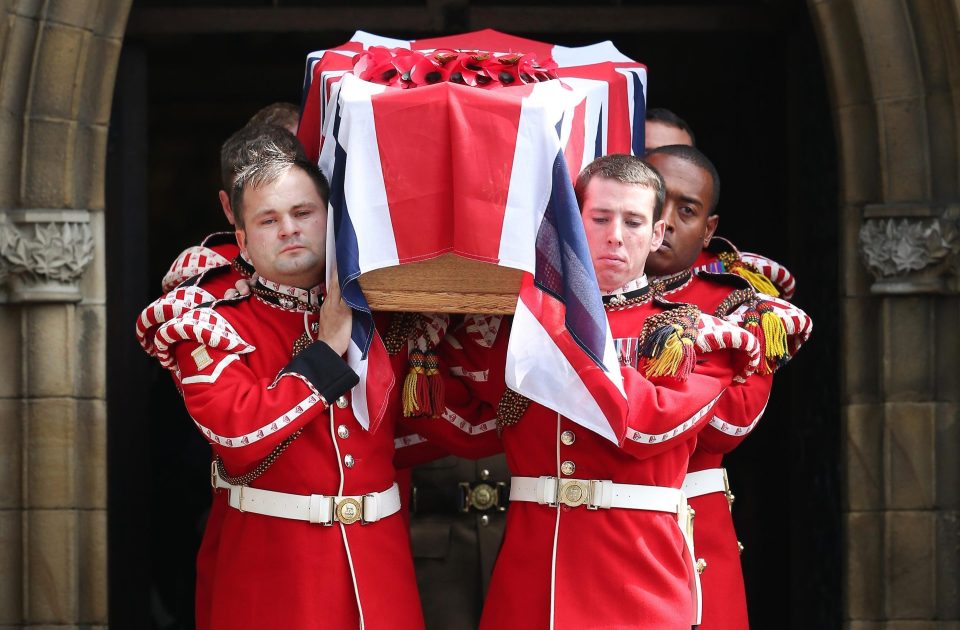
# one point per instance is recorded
(894, 72)
(894, 77)
(59, 58)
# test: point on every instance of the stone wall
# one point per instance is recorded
(893, 69)
(56, 84)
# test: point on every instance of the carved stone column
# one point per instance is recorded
(43, 254)
(912, 248)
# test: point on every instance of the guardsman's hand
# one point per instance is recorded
(336, 319)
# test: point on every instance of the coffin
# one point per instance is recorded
(442, 195)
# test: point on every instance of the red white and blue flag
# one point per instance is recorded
(487, 175)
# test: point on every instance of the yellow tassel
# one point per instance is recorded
(775, 334)
(411, 407)
(667, 362)
(759, 281)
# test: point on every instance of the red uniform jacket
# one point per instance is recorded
(574, 568)
(246, 394)
(732, 419)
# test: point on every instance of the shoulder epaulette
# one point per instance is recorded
(774, 271)
(732, 262)
(715, 334)
(666, 344)
(191, 262)
(168, 307)
(203, 325)
(780, 327)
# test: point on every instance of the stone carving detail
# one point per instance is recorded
(893, 247)
(43, 254)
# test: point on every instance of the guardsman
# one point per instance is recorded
(205, 273)
(663, 127)
(597, 531)
(311, 537)
(692, 266)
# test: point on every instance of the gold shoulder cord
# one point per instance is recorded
(265, 463)
(733, 301)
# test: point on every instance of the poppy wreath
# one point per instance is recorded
(404, 68)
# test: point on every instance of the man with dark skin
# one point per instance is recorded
(689, 214)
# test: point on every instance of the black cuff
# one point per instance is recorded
(325, 370)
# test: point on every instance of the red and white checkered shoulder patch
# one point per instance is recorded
(191, 262)
(203, 325)
(717, 334)
(164, 309)
(776, 273)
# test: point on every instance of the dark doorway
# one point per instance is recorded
(747, 76)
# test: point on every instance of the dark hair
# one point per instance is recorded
(625, 169)
(667, 117)
(279, 114)
(268, 160)
(239, 150)
(696, 157)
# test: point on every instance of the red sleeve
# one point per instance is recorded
(736, 414)
(664, 412)
(245, 416)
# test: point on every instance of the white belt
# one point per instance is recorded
(697, 484)
(596, 494)
(603, 493)
(314, 508)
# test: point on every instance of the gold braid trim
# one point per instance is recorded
(512, 406)
(733, 301)
(685, 315)
(398, 331)
(265, 463)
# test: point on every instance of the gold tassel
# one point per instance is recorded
(775, 335)
(759, 281)
(667, 361)
(411, 405)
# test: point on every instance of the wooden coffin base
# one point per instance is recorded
(448, 284)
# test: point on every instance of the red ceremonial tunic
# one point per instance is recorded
(574, 568)
(732, 419)
(247, 395)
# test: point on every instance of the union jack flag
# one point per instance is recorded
(487, 175)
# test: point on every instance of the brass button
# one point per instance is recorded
(348, 460)
(568, 437)
(484, 520)
(568, 467)
(342, 402)
(740, 547)
(343, 432)
(701, 566)
(484, 474)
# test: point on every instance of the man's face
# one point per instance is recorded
(658, 134)
(688, 224)
(621, 233)
(285, 229)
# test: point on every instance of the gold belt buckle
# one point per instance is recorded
(573, 492)
(348, 510)
(481, 497)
